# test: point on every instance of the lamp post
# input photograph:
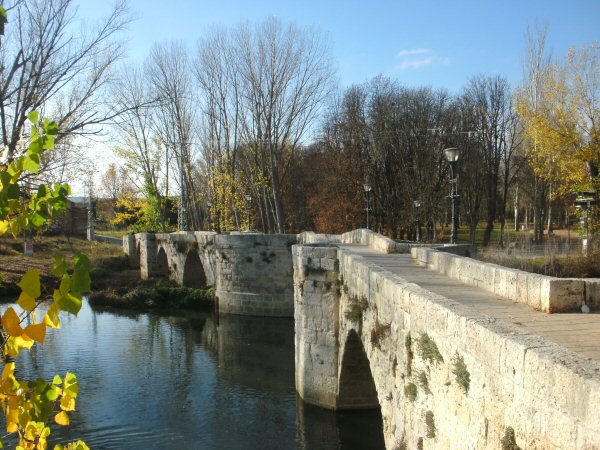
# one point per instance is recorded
(452, 157)
(367, 188)
(417, 204)
(584, 201)
(248, 200)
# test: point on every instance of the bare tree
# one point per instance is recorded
(174, 120)
(115, 183)
(392, 137)
(46, 65)
(219, 80)
(496, 128)
(535, 71)
(265, 86)
(138, 144)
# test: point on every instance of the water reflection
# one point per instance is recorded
(190, 381)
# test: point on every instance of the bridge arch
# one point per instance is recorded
(193, 271)
(162, 264)
(356, 388)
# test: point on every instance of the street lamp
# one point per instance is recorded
(452, 157)
(248, 200)
(367, 188)
(584, 201)
(417, 204)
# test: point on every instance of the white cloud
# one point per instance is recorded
(415, 63)
(413, 51)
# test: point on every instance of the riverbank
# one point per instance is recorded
(114, 284)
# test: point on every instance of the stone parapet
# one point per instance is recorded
(543, 293)
(376, 241)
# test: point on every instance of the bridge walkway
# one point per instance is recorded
(575, 331)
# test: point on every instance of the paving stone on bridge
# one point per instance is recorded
(575, 331)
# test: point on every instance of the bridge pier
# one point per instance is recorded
(250, 272)
(332, 367)
(148, 252)
(317, 324)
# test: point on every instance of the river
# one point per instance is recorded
(190, 381)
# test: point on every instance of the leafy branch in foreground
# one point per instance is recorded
(30, 405)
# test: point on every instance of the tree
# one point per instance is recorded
(496, 128)
(563, 121)
(140, 146)
(174, 116)
(114, 182)
(28, 406)
(265, 85)
(531, 94)
(47, 65)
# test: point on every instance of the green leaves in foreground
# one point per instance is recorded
(48, 201)
(29, 406)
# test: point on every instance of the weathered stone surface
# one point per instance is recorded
(251, 273)
(592, 293)
(547, 394)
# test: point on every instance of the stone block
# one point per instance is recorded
(565, 294)
(592, 293)
(534, 291)
(522, 293)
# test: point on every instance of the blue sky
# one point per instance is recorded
(428, 42)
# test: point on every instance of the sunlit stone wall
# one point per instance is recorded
(421, 349)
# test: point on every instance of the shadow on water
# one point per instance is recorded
(190, 380)
(320, 428)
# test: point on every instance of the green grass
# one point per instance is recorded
(114, 233)
(510, 235)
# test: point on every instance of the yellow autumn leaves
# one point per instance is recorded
(28, 405)
(561, 119)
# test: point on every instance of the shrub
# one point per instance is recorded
(428, 350)
(410, 391)
(459, 369)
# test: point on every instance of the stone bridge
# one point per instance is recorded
(456, 353)
(251, 273)
(451, 365)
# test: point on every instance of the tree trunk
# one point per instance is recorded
(472, 233)
(517, 208)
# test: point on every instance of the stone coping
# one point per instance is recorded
(362, 236)
(541, 292)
